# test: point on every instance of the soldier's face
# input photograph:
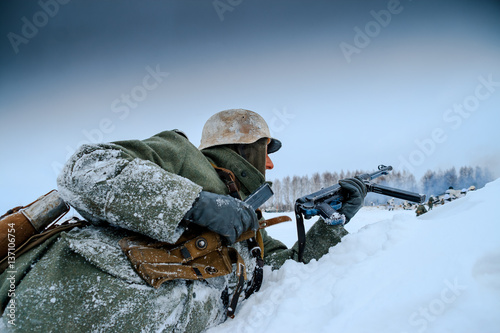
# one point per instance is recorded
(256, 154)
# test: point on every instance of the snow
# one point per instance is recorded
(394, 272)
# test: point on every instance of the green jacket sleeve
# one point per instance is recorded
(133, 185)
(319, 239)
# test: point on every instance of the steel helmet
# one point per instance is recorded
(236, 126)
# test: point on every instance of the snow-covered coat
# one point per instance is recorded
(82, 282)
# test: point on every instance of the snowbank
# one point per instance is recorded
(394, 272)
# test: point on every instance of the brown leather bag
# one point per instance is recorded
(195, 256)
(198, 258)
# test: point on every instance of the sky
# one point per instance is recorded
(345, 85)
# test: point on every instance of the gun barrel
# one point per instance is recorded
(396, 193)
(382, 171)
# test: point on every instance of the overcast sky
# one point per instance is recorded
(344, 85)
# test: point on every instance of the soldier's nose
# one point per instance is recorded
(269, 163)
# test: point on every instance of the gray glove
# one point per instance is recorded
(225, 215)
(355, 193)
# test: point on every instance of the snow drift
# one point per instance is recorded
(394, 272)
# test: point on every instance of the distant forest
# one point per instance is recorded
(288, 189)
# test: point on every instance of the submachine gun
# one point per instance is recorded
(326, 202)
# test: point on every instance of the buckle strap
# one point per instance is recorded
(227, 176)
(258, 273)
(274, 220)
(242, 276)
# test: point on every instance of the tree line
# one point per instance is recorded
(288, 189)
